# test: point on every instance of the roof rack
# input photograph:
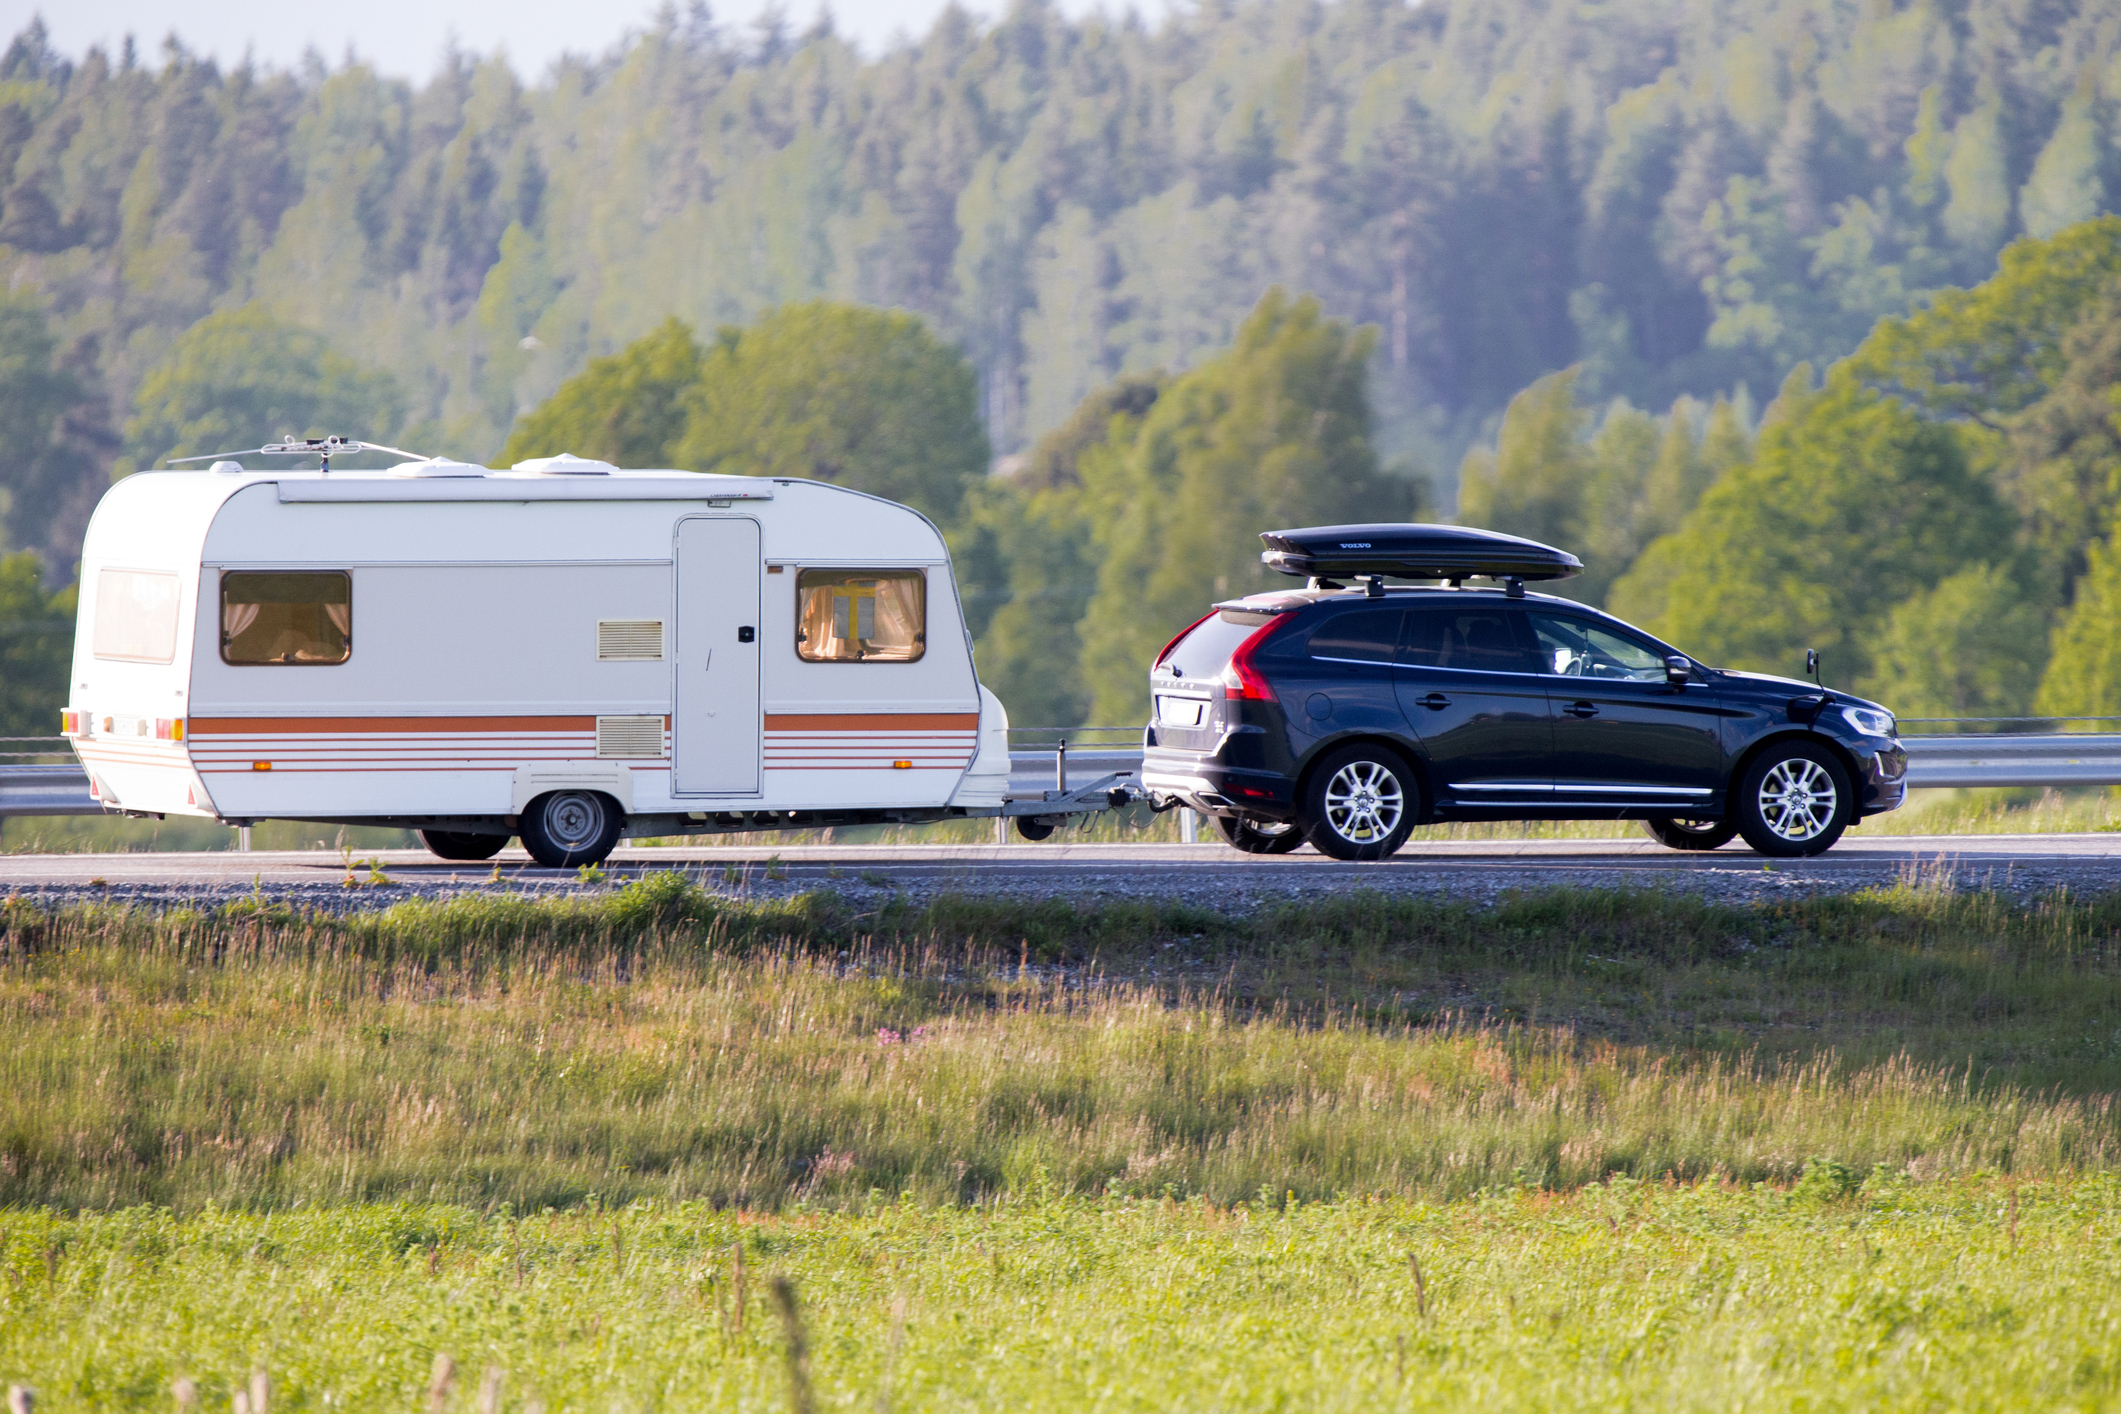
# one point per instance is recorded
(322, 448)
(1446, 552)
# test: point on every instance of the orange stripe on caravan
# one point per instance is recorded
(254, 726)
(874, 722)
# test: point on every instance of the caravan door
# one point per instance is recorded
(715, 733)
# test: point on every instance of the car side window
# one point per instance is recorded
(1576, 648)
(1477, 638)
(1358, 636)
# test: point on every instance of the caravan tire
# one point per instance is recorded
(569, 827)
(461, 845)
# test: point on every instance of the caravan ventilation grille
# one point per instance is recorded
(630, 738)
(629, 640)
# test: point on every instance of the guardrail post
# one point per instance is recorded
(1188, 825)
(1001, 829)
(243, 839)
(1060, 767)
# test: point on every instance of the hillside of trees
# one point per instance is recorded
(1681, 196)
(1603, 262)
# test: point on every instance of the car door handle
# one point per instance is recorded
(1582, 711)
(1435, 701)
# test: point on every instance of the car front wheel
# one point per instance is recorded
(1691, 834)
(1360, 804)
(1794, 801)
(1259, 836)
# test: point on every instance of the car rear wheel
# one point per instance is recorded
(1259, 836)
(1360, 804)
(461, 845)
(1793, 801)
(1691, 834)
(569, 827)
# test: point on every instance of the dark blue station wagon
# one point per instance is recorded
(1349, 715)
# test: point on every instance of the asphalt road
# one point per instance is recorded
(1208, 874)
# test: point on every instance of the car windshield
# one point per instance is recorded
(1577, 648)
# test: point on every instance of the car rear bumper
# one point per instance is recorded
(1214, 787)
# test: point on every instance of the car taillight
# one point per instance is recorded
(1241, 681)
(1165, 651)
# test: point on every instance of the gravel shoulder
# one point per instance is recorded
(1208, 876)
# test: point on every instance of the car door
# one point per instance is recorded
(1470, 688)
(1623, 735)
(1347, 679)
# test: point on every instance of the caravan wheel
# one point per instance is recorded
(570, 827)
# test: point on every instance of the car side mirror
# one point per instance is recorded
(1678, 672)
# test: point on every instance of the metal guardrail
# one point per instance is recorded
(1958, 760)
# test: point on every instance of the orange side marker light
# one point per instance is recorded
(261, 765)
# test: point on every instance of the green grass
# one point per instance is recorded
(1837, 1153)
(1969, 1294)
(658, 1042)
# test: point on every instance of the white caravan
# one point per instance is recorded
(566, 652)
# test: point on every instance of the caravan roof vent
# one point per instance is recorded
(436, 466)
(565, 464)
(1414, 552)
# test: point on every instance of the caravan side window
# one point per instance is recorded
(303, 619)
(861, 616)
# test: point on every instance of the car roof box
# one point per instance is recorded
(1414, 552)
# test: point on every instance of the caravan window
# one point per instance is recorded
(136, 616)
(302, 619)
(861, 616)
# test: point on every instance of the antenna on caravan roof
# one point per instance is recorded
(322, 448)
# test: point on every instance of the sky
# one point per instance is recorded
(405, 38)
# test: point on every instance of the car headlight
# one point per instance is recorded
(1868, 720)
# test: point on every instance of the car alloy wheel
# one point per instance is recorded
(1690, 834)
(1364, 803)
(1795, 800)
(1259, 836)
(1798, 799)
(1359, 802)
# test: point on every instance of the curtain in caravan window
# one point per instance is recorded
(861, 616)
(303, 620)
(136, 616)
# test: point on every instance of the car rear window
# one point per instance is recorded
(1203, 651)
(1358, 636)
(1476, 637)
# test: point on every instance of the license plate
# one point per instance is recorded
(1180, 711)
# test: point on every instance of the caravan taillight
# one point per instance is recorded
(1241, 681)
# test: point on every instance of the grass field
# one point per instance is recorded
(1849, 1153)
(1967, 1294)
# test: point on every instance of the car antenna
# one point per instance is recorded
(322, 448)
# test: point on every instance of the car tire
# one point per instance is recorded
(565, 828)
(1691, 834)
(1793, 801)
(1259, 836)
(461, 845)
(1360, 803)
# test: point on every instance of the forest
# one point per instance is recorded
(1794, 319)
